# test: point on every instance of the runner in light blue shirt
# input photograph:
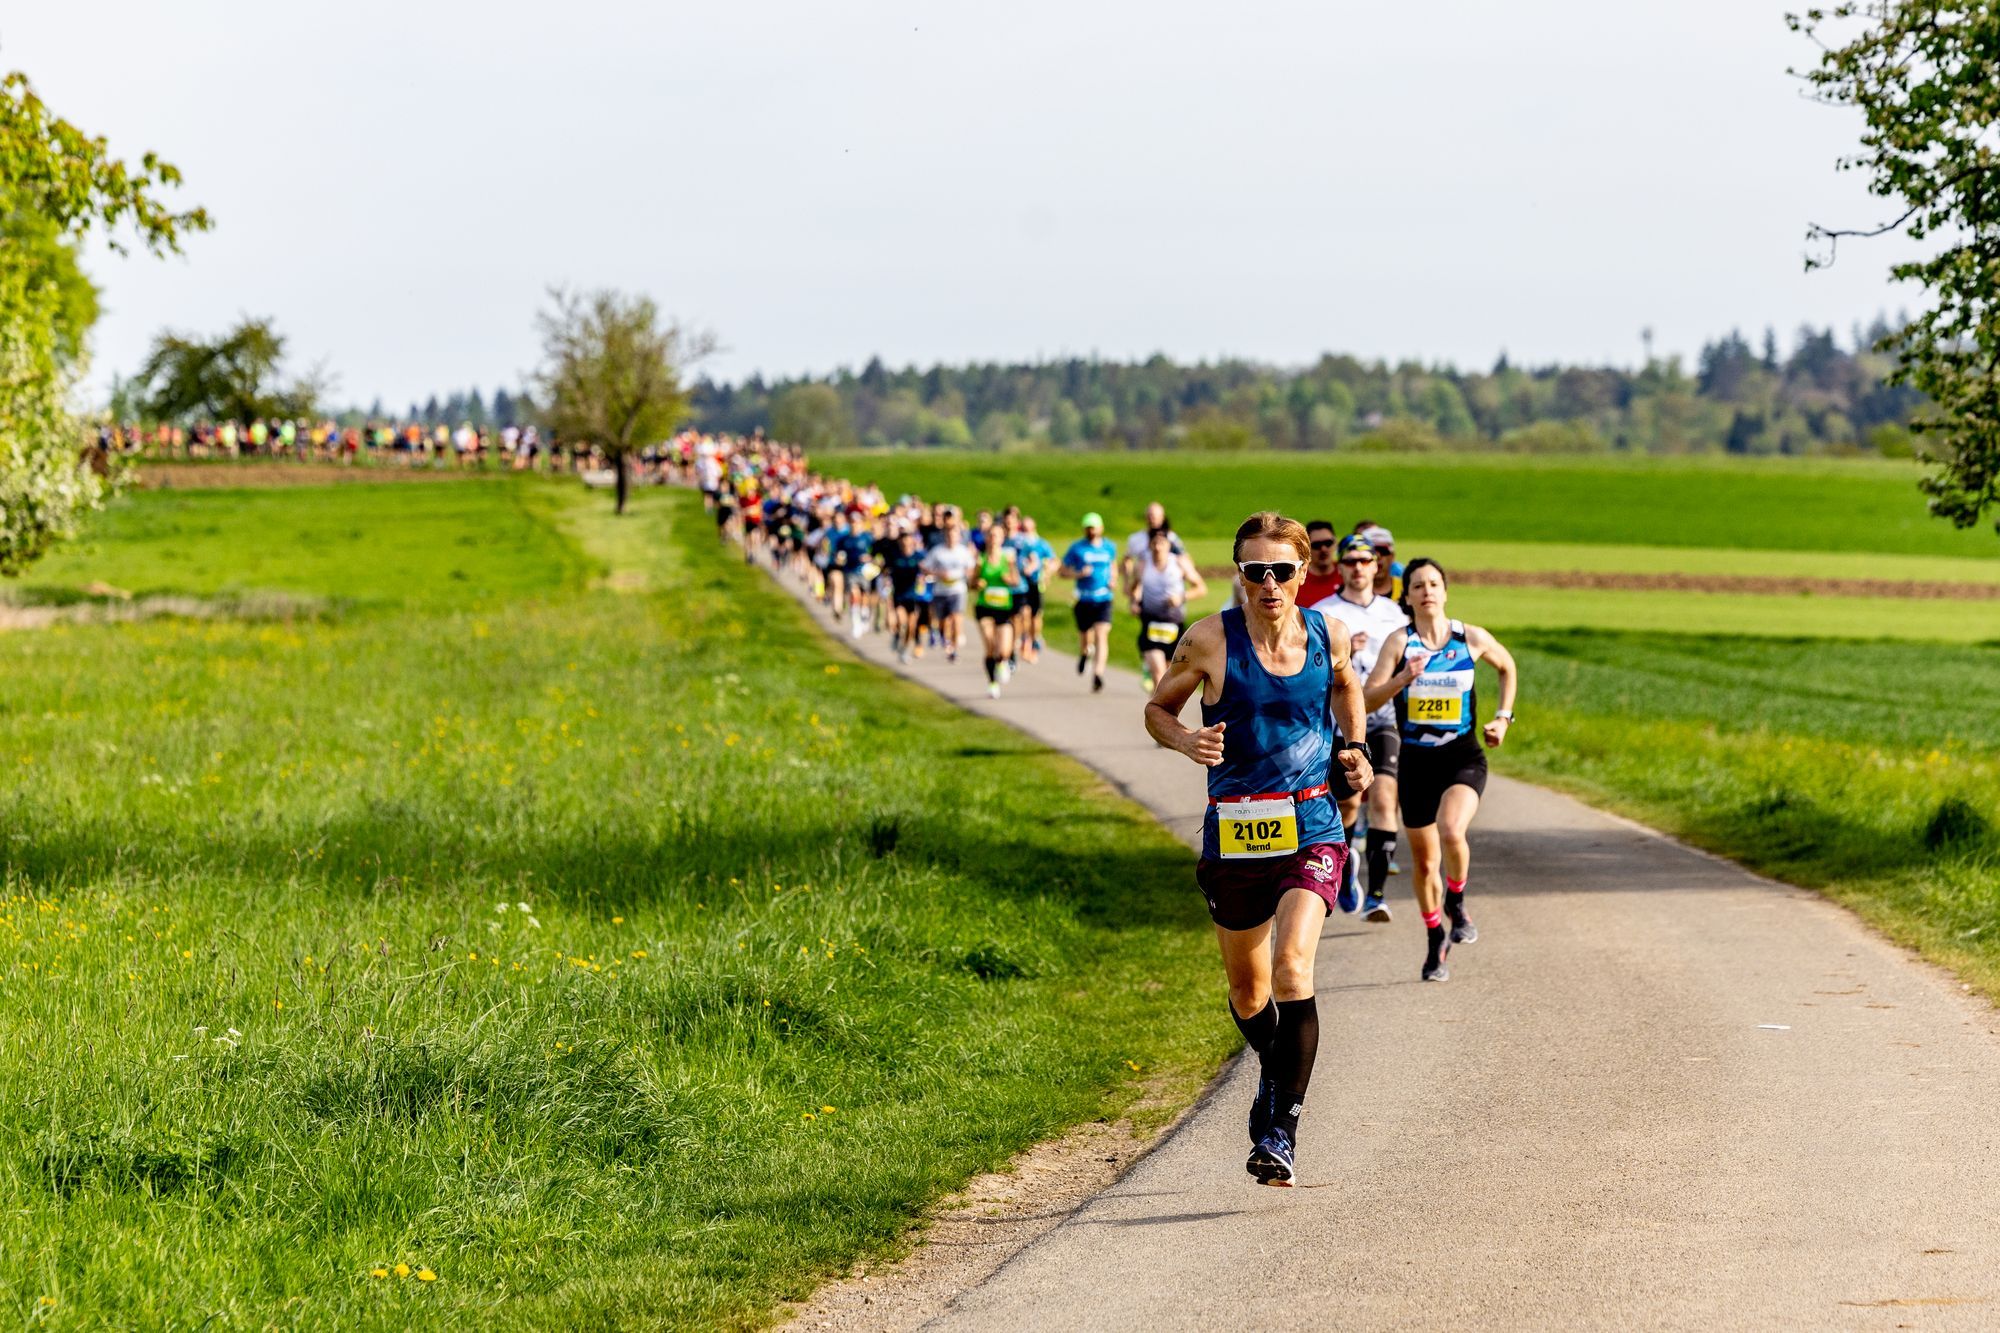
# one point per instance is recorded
(1090, 563)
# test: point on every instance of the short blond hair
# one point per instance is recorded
(1270, 524)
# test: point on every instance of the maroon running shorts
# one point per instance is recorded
(1244, 894)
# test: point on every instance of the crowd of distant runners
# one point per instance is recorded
(1338, 707)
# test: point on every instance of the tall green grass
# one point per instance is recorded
(1871, 770)
(613, 958)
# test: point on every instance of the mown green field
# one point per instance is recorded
(1544, 557)
(1722, 504)
(402, 545)
(1507, 610)
(569, 944)
(1770, 518)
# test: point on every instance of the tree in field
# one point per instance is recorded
(1922, 74)
(56, 185)
(613, 374)
(237, 376)
(813, 416)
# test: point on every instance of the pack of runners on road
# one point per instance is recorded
(1338, 707)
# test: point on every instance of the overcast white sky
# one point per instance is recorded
(397, 183)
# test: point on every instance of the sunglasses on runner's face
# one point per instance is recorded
(1256, 571)
(1359, 560)
(1322, 545)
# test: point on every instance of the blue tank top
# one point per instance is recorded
(1439, 706)
(1280, 733)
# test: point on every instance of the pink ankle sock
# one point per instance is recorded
(1433, 919)
(1454, 886)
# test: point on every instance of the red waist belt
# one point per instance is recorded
(1306, 795)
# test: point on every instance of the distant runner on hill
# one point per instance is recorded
(1274, 680)
(950, 565)
(1090, 562)
(1428, 671)
(1166, 583)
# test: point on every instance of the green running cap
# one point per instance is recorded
(1093, 519)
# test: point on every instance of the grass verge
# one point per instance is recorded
(609, 956)
(1873, 773)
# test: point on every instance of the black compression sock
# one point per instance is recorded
(990, 666)
(1293, 1051)
(1454, 906)
(1381, 847)
(1259, 1029)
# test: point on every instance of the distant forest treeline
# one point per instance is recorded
(1739, 398)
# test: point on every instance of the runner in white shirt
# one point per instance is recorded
(950, 563)
(1370, 619)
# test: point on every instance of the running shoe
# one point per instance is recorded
(1374, 908)
(1271, 1160)
(1348, 897)
(1096, 684)
(1146, 681)
(1395, 866)
(1434, 957)
(1260, 1110)
(993, 690)
(951, 655)
(1039, 645)
(1462, 929)
(1082, 664)
(1006, 672)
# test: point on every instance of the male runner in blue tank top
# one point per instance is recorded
(1274, 681)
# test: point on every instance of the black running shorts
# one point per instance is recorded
(1428, 770)
(1385, 746)
(1089, 614)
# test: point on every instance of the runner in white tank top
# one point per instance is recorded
(1160, 599)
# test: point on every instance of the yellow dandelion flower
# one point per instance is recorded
(809, 1115)
(826, 1110)
(832, 669)
(638, 953)
(425, 1275)
(402, 1270)
(378, 1272)
(617, 920)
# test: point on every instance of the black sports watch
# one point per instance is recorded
(1353, 745)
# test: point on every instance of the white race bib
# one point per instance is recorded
(1439, 700)
(1249, 830)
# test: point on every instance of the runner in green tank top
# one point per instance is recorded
(994, 606)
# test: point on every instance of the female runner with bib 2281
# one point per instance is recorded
(1428, 670)
(1274, 681)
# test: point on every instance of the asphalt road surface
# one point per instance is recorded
(1658, 1092)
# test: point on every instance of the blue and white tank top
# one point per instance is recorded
(1280, 732)
(1439, 706)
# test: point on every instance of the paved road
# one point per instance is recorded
(1659, 1092)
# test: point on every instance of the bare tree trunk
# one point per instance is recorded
(624, 483)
